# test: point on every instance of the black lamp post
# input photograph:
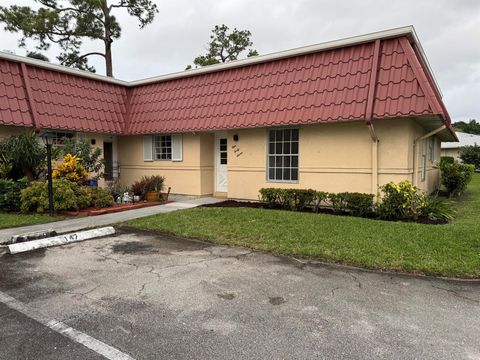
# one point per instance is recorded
(48, 141)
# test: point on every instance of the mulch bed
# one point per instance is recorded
(259, 205)
(112, 209)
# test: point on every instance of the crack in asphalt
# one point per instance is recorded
(359, 284)
(456, 294)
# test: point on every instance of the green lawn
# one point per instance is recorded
(15, 220)
(445, 250)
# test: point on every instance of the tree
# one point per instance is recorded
(471, 155)
(69, 22)
(472, 127)
(225, 46)
(37, 55)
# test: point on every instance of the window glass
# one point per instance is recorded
(223, 152)
(282, 155)
(163, 147)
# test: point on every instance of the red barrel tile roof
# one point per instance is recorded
(325, 86)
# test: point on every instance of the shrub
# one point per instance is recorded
(471, 155)
(89, 157)
(437, 210)
(22, 155)
(298, 199)
(147, 184)
(71, 169)
(358, 204)
(338, 202)
(35, 196)
(456, 176)
(101, 198)
(83, 194)
(446, 160)
(10, 194)
(320, 197)
(269, 196)
(400, 201)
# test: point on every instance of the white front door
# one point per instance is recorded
(221, 161)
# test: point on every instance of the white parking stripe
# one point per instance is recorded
(99, 347)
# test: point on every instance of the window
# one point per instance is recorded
(424, 162)
(223, 151)
(431, 147)
(163, 147)
(282, 162)
(60, 137)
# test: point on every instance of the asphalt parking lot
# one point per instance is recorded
(149, 296)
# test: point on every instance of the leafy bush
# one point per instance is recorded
(446, 160)
(101, 198)
(269, 196)
(147, 184)
(83, 194)
(10, 194)
(358, 204)
(437, 210)
(320, 197)
(471, 155)
(70, 169)
(400, 201)
(89, 157)
(22, 155)
(456, 176)
(35, 196)
(338, 202)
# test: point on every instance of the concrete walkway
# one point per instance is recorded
(76, 224)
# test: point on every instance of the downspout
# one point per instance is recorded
(416, 143)
(369, 115)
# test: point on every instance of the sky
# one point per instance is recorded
(449, 31)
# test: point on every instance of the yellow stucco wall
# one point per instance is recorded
(333, 157)
(192, 176)
(7, 131)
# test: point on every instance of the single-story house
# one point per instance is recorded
(453, 148)
(345, 115)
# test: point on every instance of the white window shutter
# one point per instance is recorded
(177, 147)
(147, 148)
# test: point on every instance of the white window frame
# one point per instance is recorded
(283, 155)
(59, 136)
(157, 155)
(423, 169)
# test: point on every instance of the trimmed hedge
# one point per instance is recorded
(401, 201)
(356, 204)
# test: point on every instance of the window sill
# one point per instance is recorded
(283, 181)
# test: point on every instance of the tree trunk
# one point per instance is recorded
(108, 58)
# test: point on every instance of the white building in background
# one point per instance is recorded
(453, 148)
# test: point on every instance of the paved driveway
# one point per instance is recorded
(161, 297)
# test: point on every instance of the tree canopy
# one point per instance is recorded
(69, 22)
(471, 155)
(471, 127)
(225, 45)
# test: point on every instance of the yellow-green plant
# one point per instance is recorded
(70, 169)
(401, 201)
